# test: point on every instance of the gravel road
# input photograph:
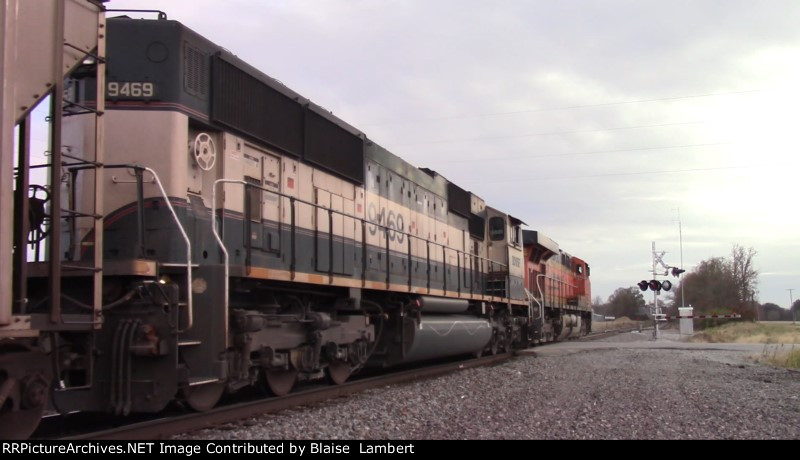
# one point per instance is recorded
(597, 394)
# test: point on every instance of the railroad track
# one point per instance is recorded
(165, 426)
(602, 334)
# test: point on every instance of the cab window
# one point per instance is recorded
(497, 228)
(516, 235)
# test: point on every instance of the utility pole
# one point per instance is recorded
(791, 302)
(680, 240)
(655, 296)
(753, 302)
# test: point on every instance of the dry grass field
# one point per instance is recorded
(750, 332)
(781, 340)
(619, 323)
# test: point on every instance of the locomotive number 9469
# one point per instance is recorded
(131, 89)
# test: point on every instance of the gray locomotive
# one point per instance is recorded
(236, 234)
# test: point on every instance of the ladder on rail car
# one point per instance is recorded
(47, 43)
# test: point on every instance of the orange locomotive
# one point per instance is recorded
(559, 286)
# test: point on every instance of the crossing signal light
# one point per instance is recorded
(677, 271)
(654, 285)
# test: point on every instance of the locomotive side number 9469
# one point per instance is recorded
(132, 89)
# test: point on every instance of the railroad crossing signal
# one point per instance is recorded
(654, 285)
(657, 259)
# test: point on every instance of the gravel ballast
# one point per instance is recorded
(596, 394)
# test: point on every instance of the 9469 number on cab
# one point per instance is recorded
(130, 89)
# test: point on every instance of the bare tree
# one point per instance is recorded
(745, 275)
(720, 285)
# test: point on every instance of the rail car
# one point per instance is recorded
(208, 229)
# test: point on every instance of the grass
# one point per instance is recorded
(619, 323)
(777, 355)
(749, 332)
(793, 359)
(781, 341)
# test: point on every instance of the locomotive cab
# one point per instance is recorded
(505, 244)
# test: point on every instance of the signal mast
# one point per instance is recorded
(656, 286)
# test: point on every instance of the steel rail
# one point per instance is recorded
(174, 425)
(165, 427)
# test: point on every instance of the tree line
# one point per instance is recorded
(719, 285)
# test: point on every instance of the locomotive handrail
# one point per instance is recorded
(533, 298)
(552, 279)
(491, 264)
(222, 246)
(140, 226)
(162, 16)
(189, 308)
(541, 291)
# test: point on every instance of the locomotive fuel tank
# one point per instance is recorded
(437, 336)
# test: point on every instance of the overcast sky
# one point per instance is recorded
(592, 121)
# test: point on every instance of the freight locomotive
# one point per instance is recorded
(209, 229)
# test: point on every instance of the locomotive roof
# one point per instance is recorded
(532, 237)
(170, 30)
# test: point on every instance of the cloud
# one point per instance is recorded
(579, 159)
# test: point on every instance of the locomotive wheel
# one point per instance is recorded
(280, 381)
(24, 386)
(494, 346)
(338, 373)
(203, 397)
(508, 342)
(19, 424)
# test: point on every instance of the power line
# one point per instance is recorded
(637, 173)
(569, 107)
(596, 152)
(553, 133)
